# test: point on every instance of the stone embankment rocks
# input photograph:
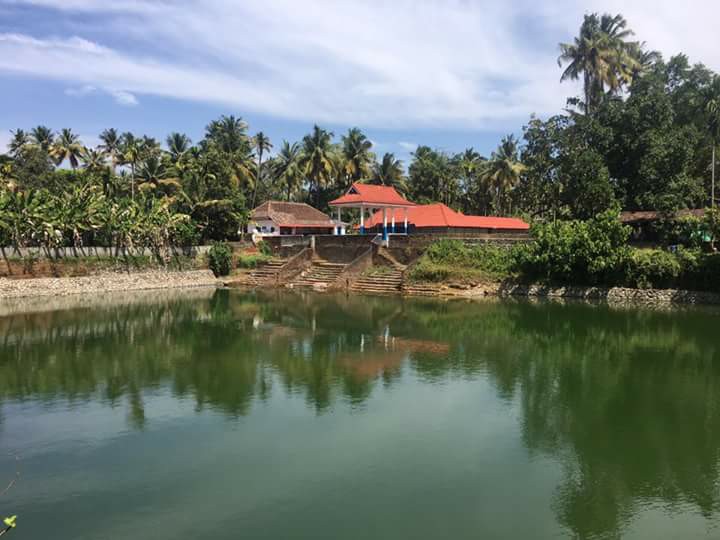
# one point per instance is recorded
(613, 294)
(105, 283)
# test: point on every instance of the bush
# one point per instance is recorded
(592, 252)
(447, 259)
(702, 272)
(220, 258)
(251, 260)
(264, 248)
(653, 268)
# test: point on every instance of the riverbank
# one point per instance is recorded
(106, 282)
(608, 294)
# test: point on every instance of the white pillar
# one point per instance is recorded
(362, 220)
(384, 223)
(392, 223)
(406, 220)
(338, 226)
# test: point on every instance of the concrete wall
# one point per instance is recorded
(342, 249)
(287, 246)
(405, 248)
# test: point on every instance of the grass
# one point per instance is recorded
(452, 260)
(251, 260)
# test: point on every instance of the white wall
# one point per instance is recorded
(263, 227)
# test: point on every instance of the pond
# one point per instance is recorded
(227, 414)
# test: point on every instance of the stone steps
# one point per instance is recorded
(389, 282)
(422, 289)
(265, 274)
(321, 274)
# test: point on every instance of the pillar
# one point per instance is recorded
(339, 221)
(406, 211)
(362, 220)
(392, 226)
(385, 231)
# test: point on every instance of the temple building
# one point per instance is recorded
(275, 218)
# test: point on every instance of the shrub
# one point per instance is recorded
(591, 252)
(251, 260)
(653, 268)
(446, 259)
(264, 248)
(704, 274)
(220, 258)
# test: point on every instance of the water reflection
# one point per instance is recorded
(625, 400)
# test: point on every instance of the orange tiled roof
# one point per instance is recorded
(439, 215)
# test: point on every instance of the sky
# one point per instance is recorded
(451, 74)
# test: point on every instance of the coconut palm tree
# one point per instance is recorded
(503, 171)
(262, 144)
(601, 55)
(67, 147)
(110, 145)
(130, 154)
(229, 133)
(469, 166)
(93, 160)
(286, 168)
(358, 158)
(178, 144)
(317, 160)
(390, 172)
(712, 109)
(20, 139)
(43, 137)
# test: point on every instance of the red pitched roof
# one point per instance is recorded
(371, 194)
(439, 215)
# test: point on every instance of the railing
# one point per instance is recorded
(353, 270)
(294, 266)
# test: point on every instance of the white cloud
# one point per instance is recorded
(81, 91)
(401, 64)
(409, 146)
(121, 97)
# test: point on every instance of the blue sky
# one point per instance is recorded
(447, 73)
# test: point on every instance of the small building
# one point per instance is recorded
(367, 198)
(275, 218)
(650, 227)
(440, 219)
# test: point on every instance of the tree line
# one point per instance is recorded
(642, 136)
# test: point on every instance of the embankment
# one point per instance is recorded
(106, 282)
(624, 295)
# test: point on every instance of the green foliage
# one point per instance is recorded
(220, 258)
(589, 252)
(454, 259)
(251, 260)
(264, 248)
(653, 268)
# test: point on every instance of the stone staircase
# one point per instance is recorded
(422, 289)
(387, 281)
(264, 275)
(321, 274)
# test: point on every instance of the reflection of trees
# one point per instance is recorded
(224, 351)
(626, 400)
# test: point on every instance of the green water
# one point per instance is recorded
(217, 414)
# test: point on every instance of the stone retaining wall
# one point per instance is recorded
(614, 294)
(105, 283)
(619, 295)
